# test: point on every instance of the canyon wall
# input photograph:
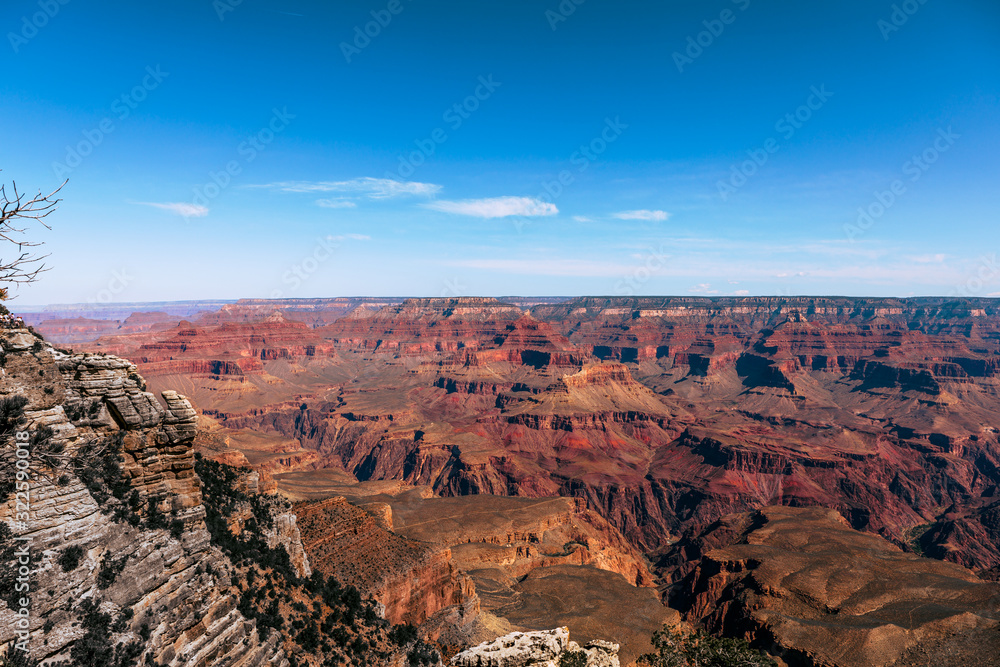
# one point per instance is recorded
(169, 591)
(412, 580)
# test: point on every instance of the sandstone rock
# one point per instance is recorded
(412, 580)
(17, 340)
(884, 409)
(180, 419)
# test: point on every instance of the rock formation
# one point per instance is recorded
(659, 416)
(131, 558)
(547, 648)
(804, 585)
(412, 580)
(169, 591)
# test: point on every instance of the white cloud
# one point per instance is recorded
(582, 218)
(643, 214)
(351, 237)
(495, 207)
(741, 292)
(180, 208)
(372, 188)
(335, 203)
(703, 288)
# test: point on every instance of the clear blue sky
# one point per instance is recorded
(669, 98)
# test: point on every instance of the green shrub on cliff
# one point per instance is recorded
(16, 658)
(11, 414)
(678, 648)
(70, 558)
(97, 646)
(322, 621)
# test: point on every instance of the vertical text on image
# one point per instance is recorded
(22, 517)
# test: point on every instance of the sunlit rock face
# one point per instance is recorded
(546, 648)
(662, 413)
(168, 591)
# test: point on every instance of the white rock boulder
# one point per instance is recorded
(545, 648)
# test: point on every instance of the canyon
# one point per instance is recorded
(503, 449)
(122, 545)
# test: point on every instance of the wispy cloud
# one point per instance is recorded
(642, 214)
(929, 259)
(335, 203)
(348, 237)
(180, 208)
(547, 267)
(582, 218)
(495, 207)
(753, 262)
(372, 188)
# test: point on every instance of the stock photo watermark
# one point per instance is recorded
(121, 108)
(562, 12)
(22, 551)
(653, 261)
(899, 17)
(223, 7)
(455, 116)
(985, 274)
(31, 25)
(786, 126)
(247, 150)
(698, 43)
(453, 287)
(581, 158)
(913, 169)
(363, 35)
(322, 251)
(119, 282)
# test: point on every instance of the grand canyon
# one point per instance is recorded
(384, 333)
(817, 476)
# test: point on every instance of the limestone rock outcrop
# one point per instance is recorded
(546, 648)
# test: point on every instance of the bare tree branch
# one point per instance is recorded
(17, 213)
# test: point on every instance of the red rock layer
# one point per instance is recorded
(884, 409)
(413, 580)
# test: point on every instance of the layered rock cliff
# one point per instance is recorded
(135, 551)
(412, 580)
(107, 582)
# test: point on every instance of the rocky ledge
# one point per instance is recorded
(547, 648)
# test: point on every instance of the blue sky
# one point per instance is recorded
(677, 147)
